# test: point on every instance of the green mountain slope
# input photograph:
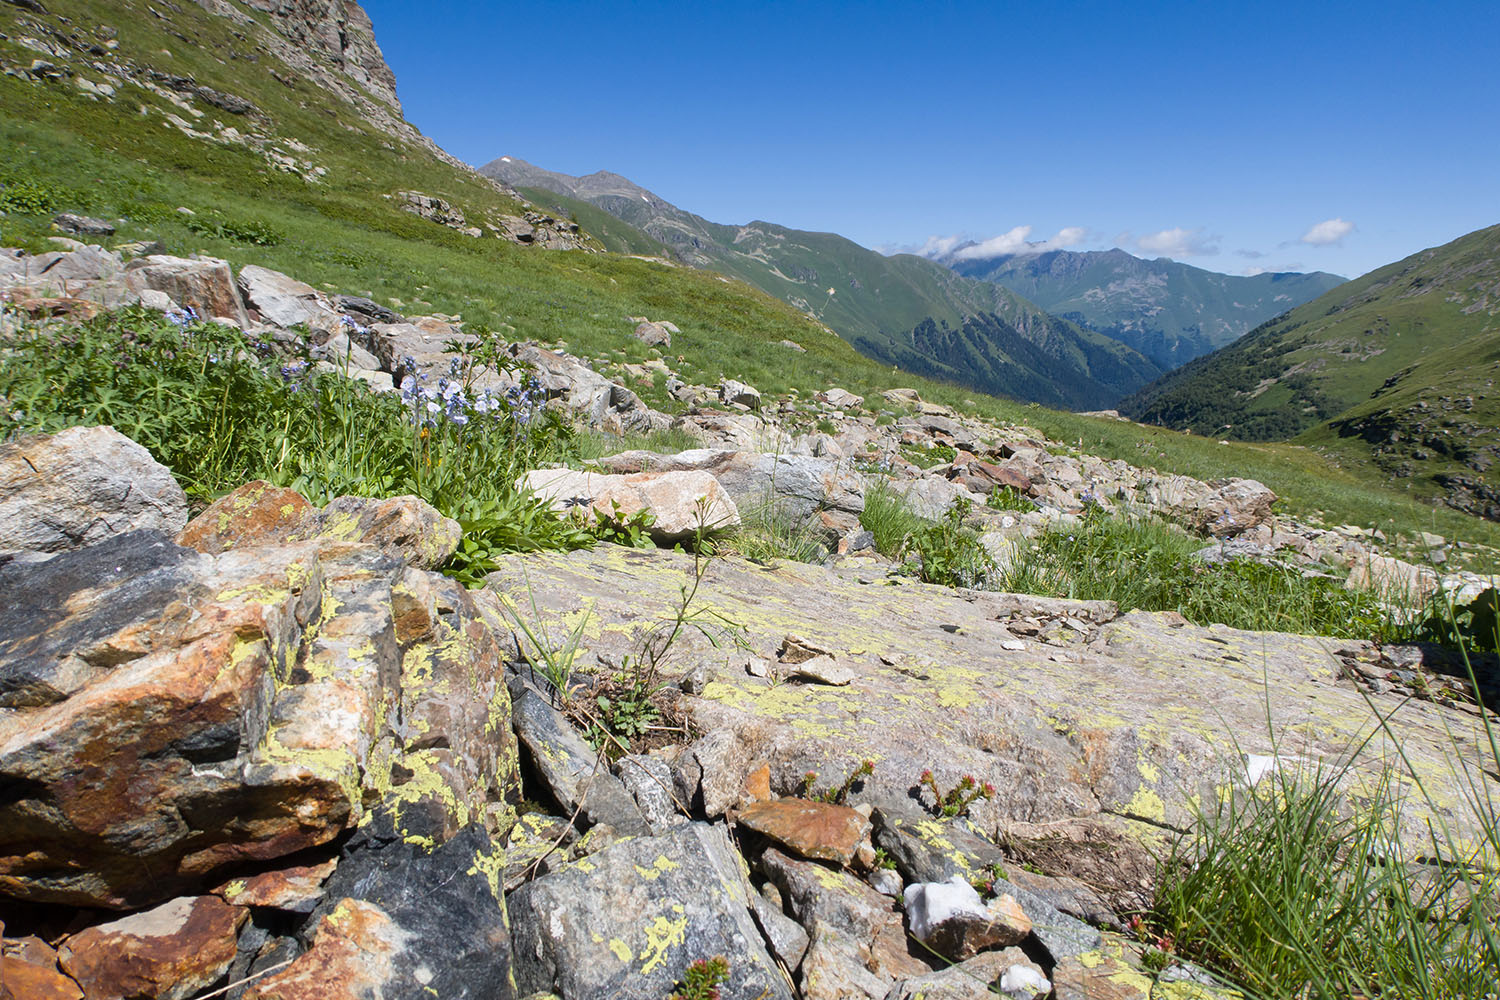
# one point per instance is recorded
(1398, 367)
(1168, 311)
(903, 310)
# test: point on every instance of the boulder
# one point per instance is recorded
(273, 297)
(1393, 580)
(931, 496)
(261, 514)
(401, 920)
(734, 393)
(951, 919)
(653, 334)
(1223, 508)
(177, 713)
(797, 486)
(629, 921)
(204, 284)
(60, 271)
(81, 485)
(841, 399)
(172, 952)
(82, 225)
(683, 503)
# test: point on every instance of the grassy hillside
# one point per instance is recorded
(902, 310)
(1396, 368)
(69, 151)
(1168, 311)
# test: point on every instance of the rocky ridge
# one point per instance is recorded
(272, 750)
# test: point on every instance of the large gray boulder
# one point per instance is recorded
(796, 486)
(202, 283)
(628, 921)
(683, 503)
(284, 301)
(82, 485)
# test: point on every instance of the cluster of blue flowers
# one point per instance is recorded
(182, 318)
(450, 401)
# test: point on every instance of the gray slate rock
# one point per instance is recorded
(571, 770)
(927, 849)
(82, 225)
(649, 779)
(80, 486)
(629, 922)
(449, 913)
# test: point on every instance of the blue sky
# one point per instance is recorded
(1232, 136)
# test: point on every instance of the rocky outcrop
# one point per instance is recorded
(683, 504)
(81, 486)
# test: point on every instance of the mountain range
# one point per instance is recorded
(1398, 367)
(902, 310)
(1169, 311)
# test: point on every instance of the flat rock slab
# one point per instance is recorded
(819, 830)
(628, 921)
(171, 952)
(1119, 723)
(682, 503)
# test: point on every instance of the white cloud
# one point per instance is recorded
(1327, 233)
(1012, 242)
(1179, 242)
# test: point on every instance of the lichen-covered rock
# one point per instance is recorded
(401, 921)
(172, 952)
(295, 890)
(258, 513)
(80, 485)
(577, 776)
(176, 713)
(1070, 731)
(682, 503)
(626, 922)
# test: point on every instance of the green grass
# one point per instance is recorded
(1148, 565)
(219, 409)
(1289, 890)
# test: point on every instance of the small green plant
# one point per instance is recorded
(883, 859)
(553, 659)
(1009, 498)
(956, 800)
(827, 426)
(985, 878)
(937, 454)
(836, 794)
(631, 530)
(702, 980)
(1474, 626)
(949, 553)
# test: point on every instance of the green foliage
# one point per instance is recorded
(937, 454)
(1474, 626)
(702, 980)
(1148, 565)
(1009, 498)
(1289, 890)
(768, 532)
(251, 231)
(836, 794)
(889, 518)
(630, 530)
(949, 553)
(956, 800)
(552, 658)
(219, 408)
(27, 196)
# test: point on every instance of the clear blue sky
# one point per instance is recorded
(1330, 136)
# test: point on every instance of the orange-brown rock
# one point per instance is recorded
(757, 786)
(818, 830)
(176, 715)
(353, 954)
(258, 513)
(296, 889)
(169, 953)
(28, 971)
